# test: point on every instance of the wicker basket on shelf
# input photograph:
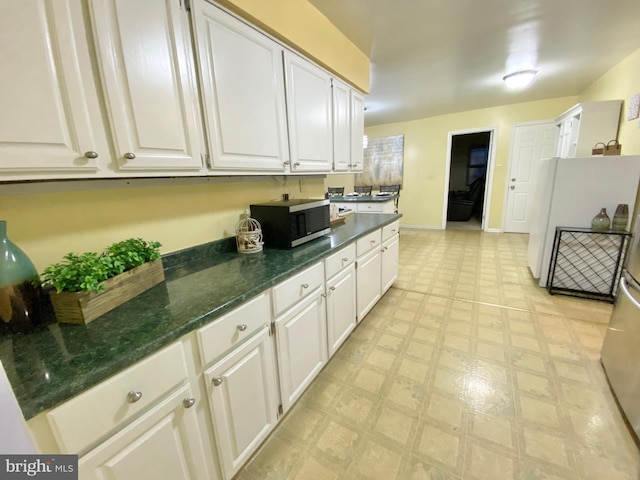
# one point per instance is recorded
(248, 235)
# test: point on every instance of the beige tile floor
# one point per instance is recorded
(466, 369)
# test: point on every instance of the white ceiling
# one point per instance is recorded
(432, 57)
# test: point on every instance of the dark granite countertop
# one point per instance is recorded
(363, 198)
(58, 361)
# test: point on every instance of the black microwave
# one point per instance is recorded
(289, 223)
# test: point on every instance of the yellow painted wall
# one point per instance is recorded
(48, 225)
(425, 155)
(301, 25)
(621, 82)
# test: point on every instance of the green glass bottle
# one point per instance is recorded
(20, 291)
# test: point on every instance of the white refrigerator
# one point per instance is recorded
(570, 192)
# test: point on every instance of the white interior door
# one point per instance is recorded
(529, 143)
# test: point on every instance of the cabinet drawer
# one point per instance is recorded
(291, 291)
(84, 419)
(369, 241)
(342, 259)
(232, 328)
(366, 207)
(390, 230)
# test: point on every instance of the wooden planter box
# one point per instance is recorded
(83, 307)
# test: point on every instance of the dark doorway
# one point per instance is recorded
(467, 180)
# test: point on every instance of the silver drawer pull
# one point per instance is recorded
(345, 259)
(217, 381)
(332, 288)
(297, 164)
(323, 295)
(91, 154)
(242, 327)
(133, 397)
(305, 285)
(373, 242)
(188, 402)
(129, 156)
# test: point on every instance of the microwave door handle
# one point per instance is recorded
(624, 286)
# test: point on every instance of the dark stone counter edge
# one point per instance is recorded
(34, 400)
(363, 198)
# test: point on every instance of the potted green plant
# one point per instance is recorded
(88, 285)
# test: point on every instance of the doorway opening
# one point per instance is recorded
(468, 178)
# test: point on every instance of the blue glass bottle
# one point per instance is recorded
(20, 291)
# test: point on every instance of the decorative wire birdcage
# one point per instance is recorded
(248, 235)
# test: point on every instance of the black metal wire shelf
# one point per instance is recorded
(587, 263)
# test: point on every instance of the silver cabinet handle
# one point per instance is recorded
(305, 285)
(188, 402)
(373, 242)
(242, 327)
(129, 156)
(345, 259)
(286, 163)
(323, 295)
(332, 288)
(513, 187)
(297, 164)
(217, 381)
(91, 154)
(133, 397)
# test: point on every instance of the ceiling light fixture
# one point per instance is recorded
(518, 80)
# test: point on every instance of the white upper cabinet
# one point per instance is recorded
(341, 127)
(309, 109)
(584, 125)
(49, 112)
(144, 55)
(243, 92)
(357, 131)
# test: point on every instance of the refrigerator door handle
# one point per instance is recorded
(624, 286)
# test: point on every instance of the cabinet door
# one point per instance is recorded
(301, 337)
(341, 307)
(50, 119)
(243, 92)
(148, 77)
(341, 127)
(243, 400)
(389, 262)
(368, 281)
(357, 131)
(164, 444)
(309, 115)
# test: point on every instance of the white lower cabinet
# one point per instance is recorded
(368, 282)
(165, 443)
(341, 307)
(242, 389)
(146, 421)
(389, 262)
(369, 268)
(301, 338)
